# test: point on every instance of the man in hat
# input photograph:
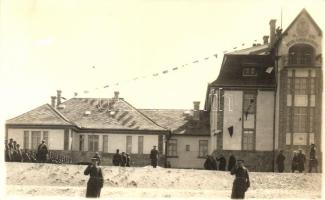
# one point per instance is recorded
(210, 163)
(123, 159)
(280, 161)
(301, 161)
(231, 162)
(11, 149)
(294, 162)
(241, 182)
(96, 180)
(128, 160)
(42, 152)
(19, 154)
(222, 163)
(14, 151)
(117, 158)
(313, 162)
(98, 157)
(154, 157)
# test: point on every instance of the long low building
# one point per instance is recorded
(79, 127)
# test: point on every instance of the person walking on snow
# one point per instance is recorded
(154, 157)
(96, 180)
(241, 182)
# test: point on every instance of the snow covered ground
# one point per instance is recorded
(53, 180)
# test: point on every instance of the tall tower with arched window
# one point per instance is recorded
(298, 59)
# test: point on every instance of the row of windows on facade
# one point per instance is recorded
(301, 85)
(172, 149)
(300, 139)
(93, 141)
(301, 119)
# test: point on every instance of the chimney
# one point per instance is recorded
(272, 31)
(58, 96)
(53, 101)
(196, 110)
(116, 93)
(265, 39)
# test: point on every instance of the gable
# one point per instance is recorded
(303, 25)
(42, 115)
(303, 31)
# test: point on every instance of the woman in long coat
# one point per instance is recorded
(241, 182)
(96, 180)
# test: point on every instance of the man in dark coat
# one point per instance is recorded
(280, 161)
(241, 182)
(117, 158)
(210, 163)
(313, 162)
(7, 152)
(294, 162)
(98, 158)
(231, 162)
(14, 152)
(222, 163)
(154, 157)
(301, 161)
(123, 160)
(96, 180)
(42, 152)
(128, 160)
(19, 154)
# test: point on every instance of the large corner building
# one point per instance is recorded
(268, 97)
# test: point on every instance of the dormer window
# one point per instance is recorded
(249, 71)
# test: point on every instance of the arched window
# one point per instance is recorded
(300, 54)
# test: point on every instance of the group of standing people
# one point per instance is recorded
(211, 163)
(122, 160)
(298, 161)
(13, 153)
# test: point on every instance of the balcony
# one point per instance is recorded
(305, 61)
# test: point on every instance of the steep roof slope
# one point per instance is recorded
(231, 72)
(42, 115)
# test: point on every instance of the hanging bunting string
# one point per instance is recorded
(162, 72)
(145, 76)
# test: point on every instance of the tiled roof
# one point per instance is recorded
(231, 72)
(255, 50)
(42, 115)
(180, 121)
(125, 116)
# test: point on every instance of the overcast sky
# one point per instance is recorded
(82, 45)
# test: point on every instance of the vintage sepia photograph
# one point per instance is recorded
(162, 99)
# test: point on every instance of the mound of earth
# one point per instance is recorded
(33, 179)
